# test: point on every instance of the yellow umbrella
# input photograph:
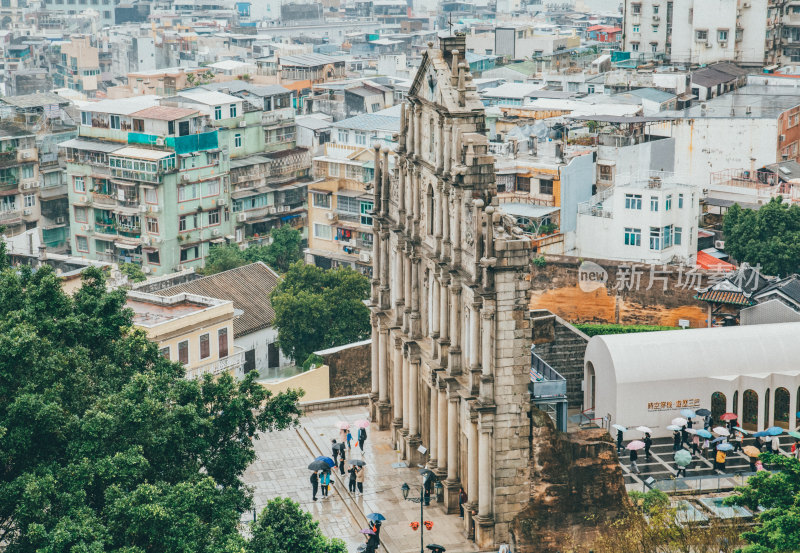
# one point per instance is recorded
(751, 451)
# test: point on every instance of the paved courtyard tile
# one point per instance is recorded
(280, 470)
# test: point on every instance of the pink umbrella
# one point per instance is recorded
(363, 423)
(635, 444)
(342, 425)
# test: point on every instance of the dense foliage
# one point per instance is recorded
(317, 309)
(104, 446)
(769, 237)
(591, 329)
(778, 527)
(283, 527)
(283, 250)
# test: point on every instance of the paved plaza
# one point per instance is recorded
(280, 471)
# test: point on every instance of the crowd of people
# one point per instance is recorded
(322, 479)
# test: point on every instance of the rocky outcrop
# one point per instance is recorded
(576, 485)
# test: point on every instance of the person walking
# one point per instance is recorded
(633, 456)
(681, 471)
(360, 474)
(462, 498)
(707, 422)
(341, 465)
(758, 443)
(325, 481)
(427, 490)
(349, 437)
(736, 440)
(720, 460)
(335, 451)
(684, 436)
(619, 441)
(648, 441)
(676, 440)
(362, 437)
(695, 444)
(706, 445)
(351, 483)
(769, 441)
(372, 543)
(314, 485)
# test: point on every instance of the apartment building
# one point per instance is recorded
(63, 8)
(704, 31)
(79, 68)
(652, 220)
(194, 330)
(147, 184)
(43, 201)
(340, 209)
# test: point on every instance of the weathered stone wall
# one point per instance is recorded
(576, 484)
(349, 369)
(561, 346)
(556, 287)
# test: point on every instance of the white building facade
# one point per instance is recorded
(650, 221)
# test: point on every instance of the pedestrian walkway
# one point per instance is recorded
(280, 471)
(661, 466)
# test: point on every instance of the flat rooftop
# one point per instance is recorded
(149, 314)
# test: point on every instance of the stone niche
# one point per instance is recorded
(576, 485)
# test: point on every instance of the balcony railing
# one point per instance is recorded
(545, 380)
(10, 217)
(233, 361)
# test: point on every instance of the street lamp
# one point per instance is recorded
(405, 488)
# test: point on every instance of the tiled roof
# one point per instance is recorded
(724, 296)
(708, 261)
(164, 113)
(370, 122)
(248, 287)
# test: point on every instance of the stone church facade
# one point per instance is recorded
(450, 329)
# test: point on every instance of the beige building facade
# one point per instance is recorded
(451, 332)
(196, 331)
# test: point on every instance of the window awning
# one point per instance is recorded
(122, 246)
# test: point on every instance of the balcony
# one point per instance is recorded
(277, 116)
(103, 200)
(231, 362)
(8, 186)
(10, 217)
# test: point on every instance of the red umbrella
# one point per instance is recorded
(729, 417)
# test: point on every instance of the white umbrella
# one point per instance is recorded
(619, 427)
(673, 427)
(678, 421)
(691, 431)
(644, 429)
(721, 431)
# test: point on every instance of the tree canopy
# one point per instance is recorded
(283, 527)
(769, 237)
(104, 446)
(279, 254)
(317, 309)
(778, 527)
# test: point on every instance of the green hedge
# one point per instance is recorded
(595, 329)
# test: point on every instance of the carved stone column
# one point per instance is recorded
(384, 408)
(406, 410)
(454, 352)
(440, 145)
(397, 388)
(485, 518)
(452, 483)
(487, 363)
(472, 469)
(433, 447)
(448, 148)
(444, 318)
(441, 434)
(475, 347)
(412, 449)
(456, 231)
(445, 205)
(407, 288)
(418, 132)
(438, 199)
(400, 299)
(375, 366)
(416, 323)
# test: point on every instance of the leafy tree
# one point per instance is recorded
(279, 254)
(778, 527)
(133, 272)
(104, 446)
(769, 237)
(317, 309)
(283, 527)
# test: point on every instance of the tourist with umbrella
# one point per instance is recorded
(325, 481)
(344, 428)
(682, 459)
(360, 473)
(376, 519)
(362, 433)
(695, 440)
(351, 483)
(676, 436)
(772, 435)
(314, 485)
(736, 440)
(730, 418)
(372, 540)
(633, 447)
(648, 441)
(620, 429)
(752, 453)
(721, 455)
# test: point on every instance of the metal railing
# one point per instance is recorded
(545, 380)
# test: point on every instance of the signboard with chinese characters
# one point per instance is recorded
(670, 405)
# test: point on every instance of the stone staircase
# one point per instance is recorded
(562, 346)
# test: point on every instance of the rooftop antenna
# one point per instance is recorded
(450, 22)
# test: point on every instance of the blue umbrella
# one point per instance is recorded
(774, 430)
(704, 433)
(688, 413)
(376, 516)
(761, 434)
(725, 447)
(326, 460)
(740, 429)
(718, 440)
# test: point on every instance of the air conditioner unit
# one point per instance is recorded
(27, 212)
(146, 240)
(241, 217)
(159, 141)
(186, 177)
(708, 45)
(147, 270)
(26, 155)
(26, 186)
(746, 5)
(222, 201)
(215, 232)
(156, 240)
(783, 137)
(242, 123)
(364, 257)
(143, 208)
(271, 210)
(330, 215)
(723, 44)
(719, 244)
(656, 18)
(59, 220)
(154, 209)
